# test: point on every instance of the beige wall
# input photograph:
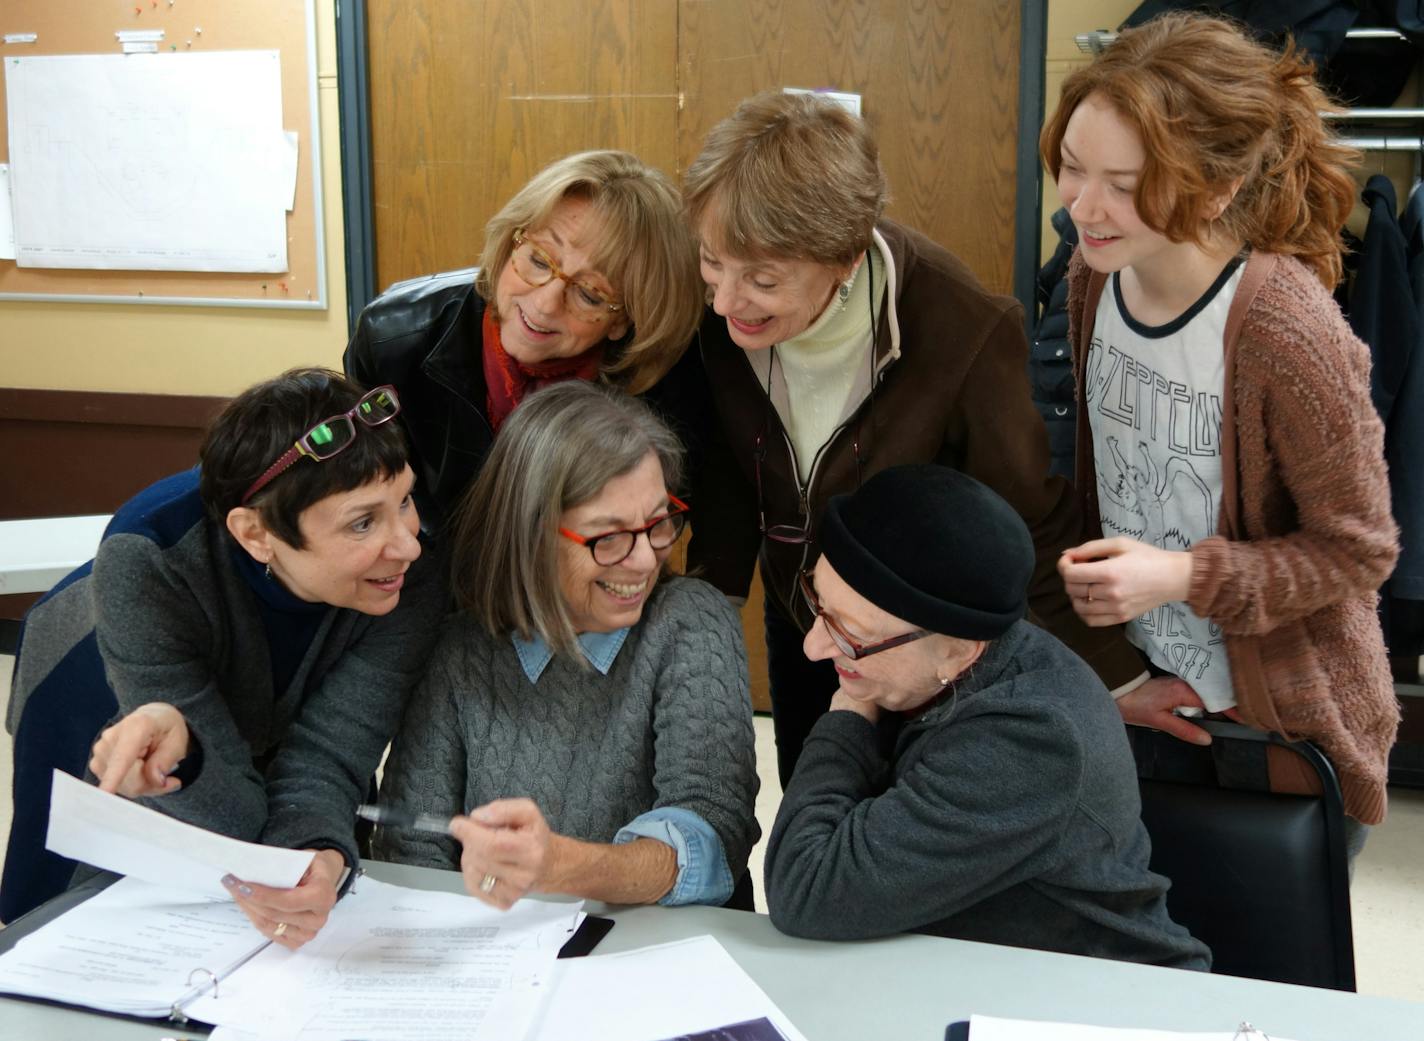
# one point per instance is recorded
(190, 350)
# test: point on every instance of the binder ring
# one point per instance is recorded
(1246, 1032)
(212, 978)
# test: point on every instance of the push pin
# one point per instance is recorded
(308, 294)
(198, 30)
(282, 286)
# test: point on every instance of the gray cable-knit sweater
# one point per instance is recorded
(669, 726)
(1007, 814)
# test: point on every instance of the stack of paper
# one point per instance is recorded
(131, 949)
(396, 964)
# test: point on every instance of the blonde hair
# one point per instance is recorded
(788, 175)
(1214, 108)
(643, 248)
(557, 450)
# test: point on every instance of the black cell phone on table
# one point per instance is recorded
(586, 937)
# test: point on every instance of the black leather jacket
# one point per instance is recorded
(423, 337)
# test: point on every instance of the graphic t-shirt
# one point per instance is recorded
(1154, 405)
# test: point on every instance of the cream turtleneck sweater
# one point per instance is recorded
(820, 364)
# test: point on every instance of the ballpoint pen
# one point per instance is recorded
(389, 817)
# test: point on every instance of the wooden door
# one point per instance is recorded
(470, 97)
(939, 82)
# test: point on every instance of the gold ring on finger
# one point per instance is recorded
(278, 932)
(488, 883)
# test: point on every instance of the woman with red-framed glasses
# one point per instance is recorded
(584, 723)
(249, 628)
(972, 777)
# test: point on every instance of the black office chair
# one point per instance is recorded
(1259, 877)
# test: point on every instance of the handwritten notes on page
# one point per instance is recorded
(116, 834)
(396, 964)
(168, 162)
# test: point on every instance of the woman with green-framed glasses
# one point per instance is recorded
(971, 778)
(584, 723)
(239, 628)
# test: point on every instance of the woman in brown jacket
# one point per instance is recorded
(838, 343)
(1239, 518)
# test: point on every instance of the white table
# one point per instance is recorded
(904, 987)
(35, 554)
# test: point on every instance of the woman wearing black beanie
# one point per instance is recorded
(972, 778)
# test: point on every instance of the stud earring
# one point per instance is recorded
(844, 292)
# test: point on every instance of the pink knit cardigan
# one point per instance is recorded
(1305, 533)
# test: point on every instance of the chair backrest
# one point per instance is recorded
(1260, 877)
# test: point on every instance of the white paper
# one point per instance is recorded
(849, 102)
(21, 37)
(140, 47)
(654, 993)
(113, 833)
(990, 1028)
(397, 964)
(131, 948)
(288, 178)
(170, 163)
(7, 225)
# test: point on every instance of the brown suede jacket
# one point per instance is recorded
(950, 387)
(1306, 536)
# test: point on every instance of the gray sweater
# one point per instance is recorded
(1007, 813)
(669, 726)
(175, 621)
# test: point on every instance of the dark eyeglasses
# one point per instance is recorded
(332, 435)
(614, 547)
(537, 268)
(841, 638)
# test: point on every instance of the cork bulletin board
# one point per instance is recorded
(35, 28)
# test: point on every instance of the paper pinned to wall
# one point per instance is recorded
(173, 163)
(7, 224)
(289, 170)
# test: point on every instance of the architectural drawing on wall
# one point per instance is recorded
(168, 162)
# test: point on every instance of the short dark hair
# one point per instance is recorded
(265, 420)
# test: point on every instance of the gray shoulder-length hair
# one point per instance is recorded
(557, 450)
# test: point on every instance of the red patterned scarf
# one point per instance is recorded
(508, 380)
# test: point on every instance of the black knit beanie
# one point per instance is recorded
(932, 546)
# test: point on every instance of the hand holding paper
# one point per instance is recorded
(292, 917)
(115, 834)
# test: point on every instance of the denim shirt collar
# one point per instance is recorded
(599, 648)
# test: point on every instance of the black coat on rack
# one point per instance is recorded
(1386, 310)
